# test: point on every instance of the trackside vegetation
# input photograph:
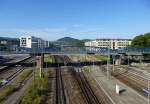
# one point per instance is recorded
(37, 90)
(7, 90)
(22, 76)
(101, 57)
(141, 41)
(48, 58)
(15, 85)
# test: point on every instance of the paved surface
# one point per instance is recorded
(130, 96)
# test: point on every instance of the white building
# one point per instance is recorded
(32, 42)
(112, 43)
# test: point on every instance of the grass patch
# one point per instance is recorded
(101, 57)
(22, 76)
(87, 69)
(36, 92)
(9, 89)
(47, 58)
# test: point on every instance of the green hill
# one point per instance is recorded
(68, 41)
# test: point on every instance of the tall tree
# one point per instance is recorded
(141, 41)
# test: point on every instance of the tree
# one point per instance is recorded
(141, 41)
(79, 43)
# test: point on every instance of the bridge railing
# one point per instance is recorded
(76, 50)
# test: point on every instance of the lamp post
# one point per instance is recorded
(34, 65)
(42, 58)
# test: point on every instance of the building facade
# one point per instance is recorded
(32, 42)
(112, 43)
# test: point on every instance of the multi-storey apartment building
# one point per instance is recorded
(32, 42)
(112, 43)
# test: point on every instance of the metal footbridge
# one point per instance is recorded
(82, 50)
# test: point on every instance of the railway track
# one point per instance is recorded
(86, 88)
(60, 91)
(135, 81)
(12, 76)
(12, 66)
(88, 92)
(100, 91)
(16, 96)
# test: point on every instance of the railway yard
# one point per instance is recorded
(64, 83)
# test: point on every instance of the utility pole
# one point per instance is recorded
(128, 60)
(34, 65)
(108, 63)
(42, 59)
(113, 63)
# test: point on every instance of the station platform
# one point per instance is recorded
(130, 96)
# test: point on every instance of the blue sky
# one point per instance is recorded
(53, 19)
